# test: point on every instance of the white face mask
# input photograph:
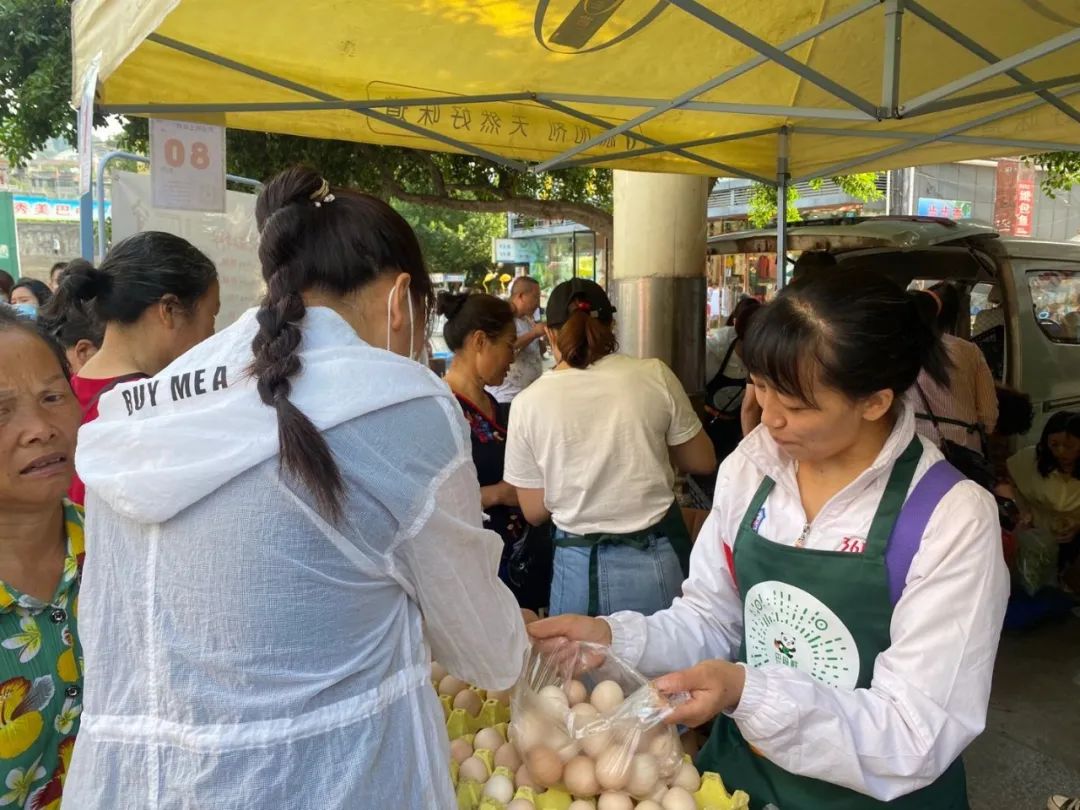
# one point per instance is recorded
(419, 357)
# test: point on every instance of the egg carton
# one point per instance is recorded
(711, 796)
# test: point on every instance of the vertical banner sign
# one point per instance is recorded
(1024, 220)
(1005, 189)
(86, 127)
(187, 166)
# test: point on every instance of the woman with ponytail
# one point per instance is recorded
(591, 446)
(285, 527)
(153, 298)
(846, 593)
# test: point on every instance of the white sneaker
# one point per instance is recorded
(1062, 803)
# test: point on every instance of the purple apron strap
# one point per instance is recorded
(911, 524)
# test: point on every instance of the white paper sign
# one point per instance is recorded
(230, 239)
(187, 165)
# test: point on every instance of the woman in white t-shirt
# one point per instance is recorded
(590, 446)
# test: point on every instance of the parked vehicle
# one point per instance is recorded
(1037, 348)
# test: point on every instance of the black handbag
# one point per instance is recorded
(973, 464)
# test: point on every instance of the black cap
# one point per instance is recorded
(578, 294)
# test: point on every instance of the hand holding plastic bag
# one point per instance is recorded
(586, 720)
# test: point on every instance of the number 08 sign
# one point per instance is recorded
(187, 165)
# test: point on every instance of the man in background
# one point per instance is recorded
(6, 283)
(528, 364)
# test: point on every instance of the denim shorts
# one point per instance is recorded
(645, 580)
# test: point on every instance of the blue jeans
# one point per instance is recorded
(644, 581)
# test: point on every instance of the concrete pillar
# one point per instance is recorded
(658, 273)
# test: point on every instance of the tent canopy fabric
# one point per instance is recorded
(717, 87)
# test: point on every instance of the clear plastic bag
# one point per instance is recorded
(585, 720)
(1037, 559)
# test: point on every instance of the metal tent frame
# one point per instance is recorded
(854, 108)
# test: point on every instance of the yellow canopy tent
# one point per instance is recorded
(721, 87)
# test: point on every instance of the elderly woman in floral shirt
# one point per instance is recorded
(41, 553)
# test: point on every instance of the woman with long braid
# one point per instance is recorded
(284, 527)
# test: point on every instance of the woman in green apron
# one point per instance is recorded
(845, 596)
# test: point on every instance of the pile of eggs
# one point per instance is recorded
(537, 762)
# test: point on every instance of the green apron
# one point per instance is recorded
(828, 613)
(672, 526)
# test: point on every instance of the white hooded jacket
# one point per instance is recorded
(242, 652)
(930, 689)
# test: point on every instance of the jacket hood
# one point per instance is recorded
(161, 444)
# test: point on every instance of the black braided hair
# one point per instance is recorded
(336, 241)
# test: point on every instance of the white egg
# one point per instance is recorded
(507, 757)
(678, 798)
(579, 776)
(648, 804)
(612, 769)
(460, 750)
(615, 801)
(606, 696)
(438, 672)
(597, 743)
(663, 747)
(576, 692)
(553, 702)
(581, 804)
(499, 788)
(521, 804)
(687, 777)
(473, 770)
(581, 715)
(450, 685)
(488, 739)
(643, 775)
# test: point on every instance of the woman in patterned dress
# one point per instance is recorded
(41, 554)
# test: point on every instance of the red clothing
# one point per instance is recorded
(87, 392)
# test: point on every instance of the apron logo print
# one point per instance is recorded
(789, 626)
(786, 647)
(759, 519)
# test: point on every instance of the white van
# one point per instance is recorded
(1036, 345)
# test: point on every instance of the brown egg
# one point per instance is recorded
(502, 696)
(450, 686)
(576, 692)
(507, 757)
(580, 777)
(611, 771)
(522, 778)
(438, 672)
(468, 700)
(473, 770)
(460, 750)
(544, 765)
(648, 804)
(488, 739)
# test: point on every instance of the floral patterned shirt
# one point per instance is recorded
(40, 683)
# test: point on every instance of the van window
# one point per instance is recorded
(1055, 296)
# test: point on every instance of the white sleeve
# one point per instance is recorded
(685, 424)
(930, 689)
(472, 620)
(520, 467)
(705, 622)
